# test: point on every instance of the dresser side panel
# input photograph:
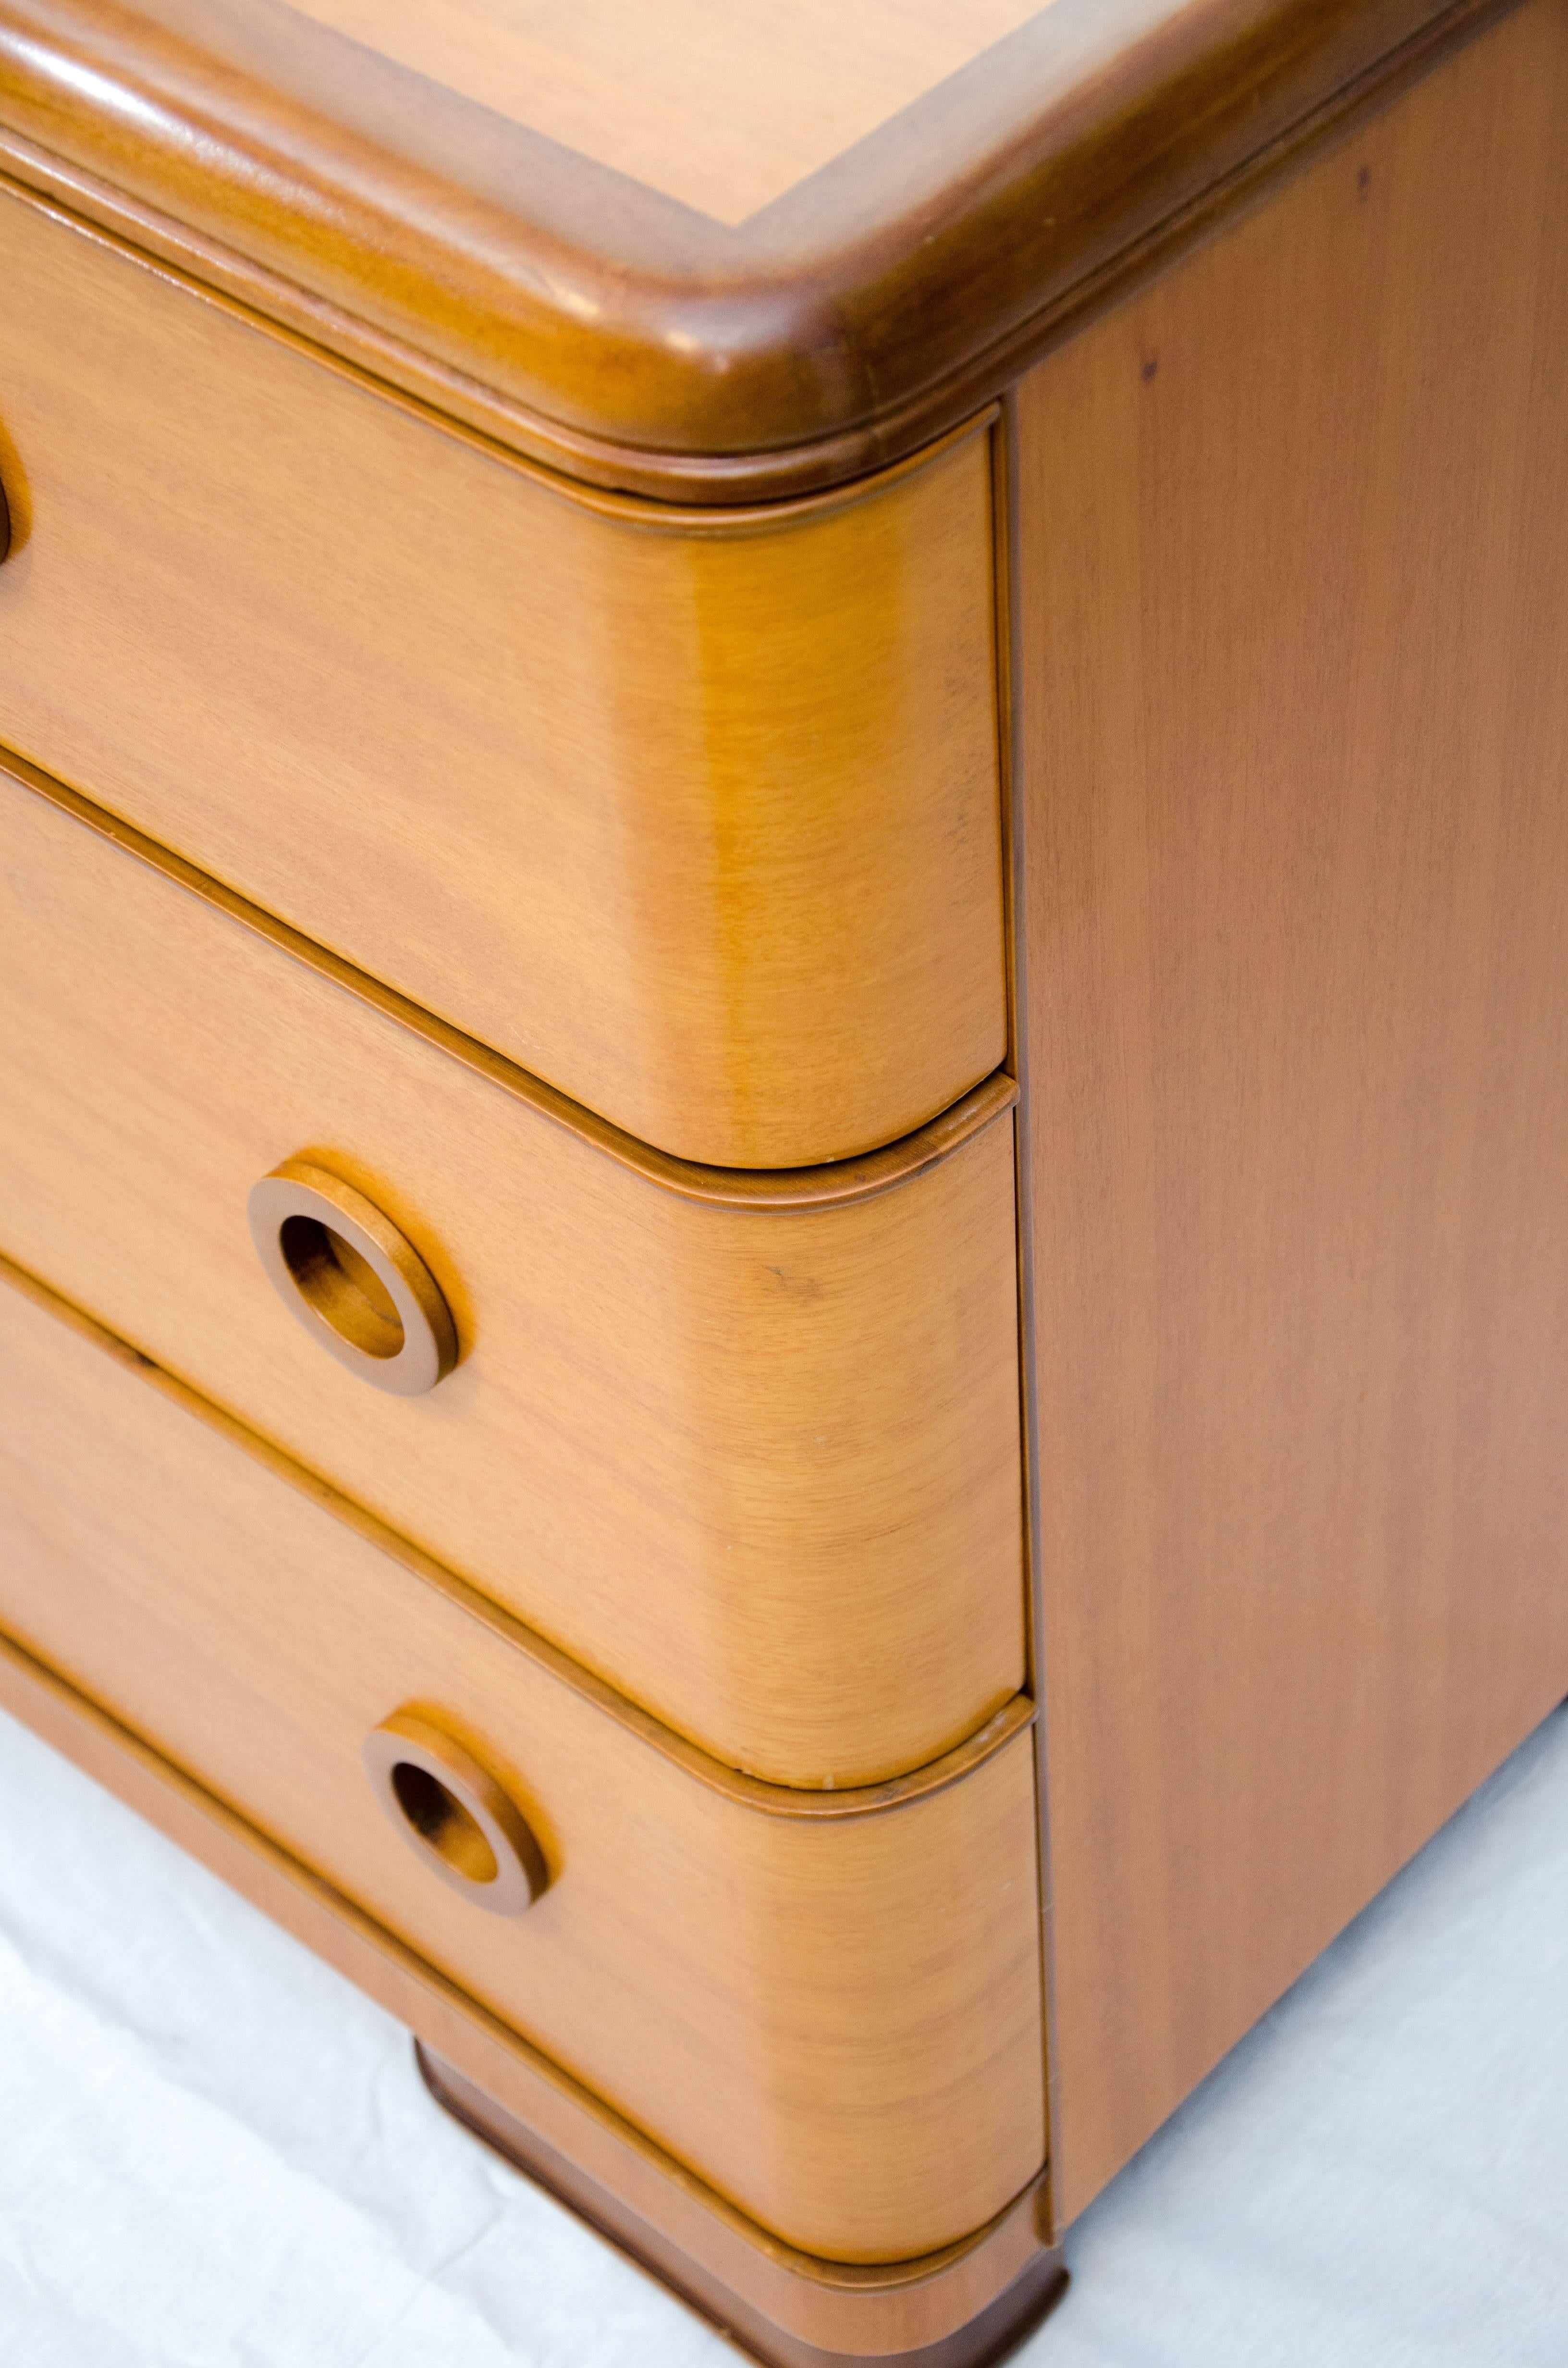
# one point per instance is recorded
(1295, 599)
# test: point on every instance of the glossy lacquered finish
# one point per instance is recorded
(775, 1998)
(1295, 791)
(598, 903)
(582, 2148)
(760, 1467)
(461, 1825)
(714, 253)
(987, 2335)
(357, 1285)
(697, 818)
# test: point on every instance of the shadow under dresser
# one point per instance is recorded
(784, 1046)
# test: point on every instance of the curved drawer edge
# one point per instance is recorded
(750, 1792)
(870, 2310)
(833, 1185)
(687, 502)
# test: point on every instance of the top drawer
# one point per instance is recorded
(696, 815)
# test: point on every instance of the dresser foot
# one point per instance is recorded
(985, 2337)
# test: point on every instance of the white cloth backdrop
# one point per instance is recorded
(213, 2153)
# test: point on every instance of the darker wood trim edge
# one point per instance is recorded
(988, 375)
(994, 2330)
(869, 2308)
(833, 1186)
(1149, 171)
(752, 1793)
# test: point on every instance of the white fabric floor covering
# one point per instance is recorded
(214, 2154)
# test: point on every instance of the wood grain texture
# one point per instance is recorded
(829, 1806)
(760, 1469)
(864, 2308)
(699, 822)
(1295, 599)
(986, 2338)
(837, 2026)
(836, 1185)
(598, 323)
(723, 110)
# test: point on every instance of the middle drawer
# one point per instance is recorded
(759, 1468)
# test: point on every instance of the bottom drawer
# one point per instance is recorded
(832, 2016)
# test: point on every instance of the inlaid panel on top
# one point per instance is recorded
(717, 253)
(723, 108)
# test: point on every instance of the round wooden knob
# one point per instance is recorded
(454, 1814)
(356, 1284)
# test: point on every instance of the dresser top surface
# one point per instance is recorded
(718, 248)
(723, 108)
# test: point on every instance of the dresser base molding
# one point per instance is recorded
(988, 2337)
(956, 2308)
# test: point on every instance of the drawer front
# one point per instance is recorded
(700, 825)
(837, 2023)
(760, 1469)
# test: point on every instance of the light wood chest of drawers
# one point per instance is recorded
(836, 785)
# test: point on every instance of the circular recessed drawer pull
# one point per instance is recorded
(355, 1282)
(5, 524)
(454, 1814)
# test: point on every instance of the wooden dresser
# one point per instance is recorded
(784, 1044)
